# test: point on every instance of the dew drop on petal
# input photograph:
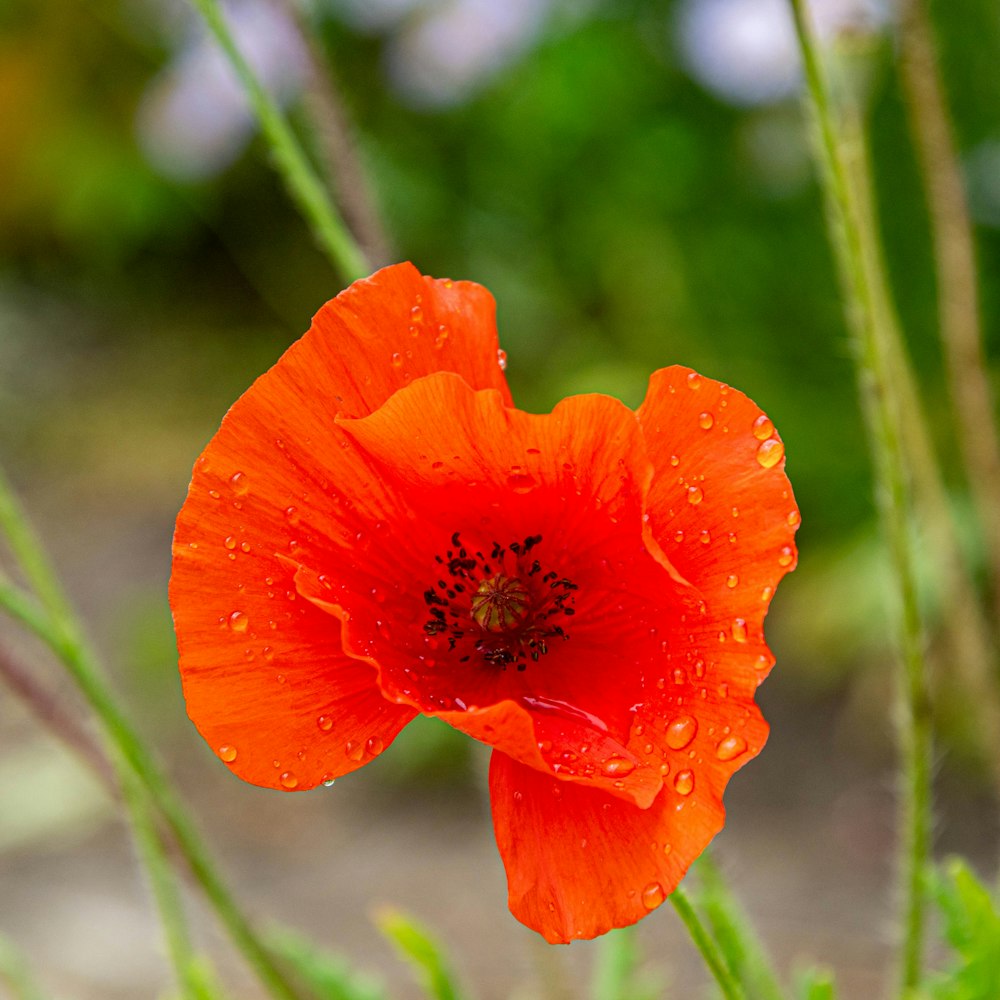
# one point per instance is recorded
(678, 536)
(652, 895)
(230, 543)
(681, 732)
(770, 453)
(739, 630)
(227, 753)
(785, 556)
(732, 580)
(675, 461)
(502, 360)
(355, 751)
(288, 780)
(762, 428)
(794, 519)
(731, 747)
(238, 621)
(694, 380)
(239, 483)
(325, 723)
(706, 421)
(374, 746)
(521, 482)
(695, 495)
(684, 783)
(766, 593)
(617, 767)
(397, 360)
(705, 537)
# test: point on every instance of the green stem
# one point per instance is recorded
(742, 948)
(300, 178)
(60, 631)
(880, 408)
(161, 879)
(717, 965)
(955, 264)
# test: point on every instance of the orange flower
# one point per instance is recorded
(375, 531)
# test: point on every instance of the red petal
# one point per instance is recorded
(265, 677)
(721, 507)
(580, 862)
(467, 464)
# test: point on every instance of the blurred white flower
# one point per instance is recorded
(194, 119)
(745, 51)
(454, 47)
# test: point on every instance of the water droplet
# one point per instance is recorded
(328, 781)
(668, 848)
(239, 483)
(374, 746)
(679, 676)
(227, 753)
(699, 668)
(397, 360)
(230, 542)
(681, 732)
(706, 421)
(762, 662)
(518, 796)
(244, 546)
(695, 495)
(732, 580)
(617, 767)
(416, 314)
(268, 653)
(675, 461)
(325, 723)
(739, 630)
(684, 783)
(238, 621)
(502, 360)
(355, 751)
(288, 780)
(652, 895)
(786, 555)
(767, 593)
(521, 482)
(678, 536)
(441, 337)
(214, 494)
(694, 380)
(770, 453)
(762, 428)
(705, 538)
(731, 747)
(794, 519)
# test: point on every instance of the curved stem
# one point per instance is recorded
(303, 185)
(57, 627)
(731, 989)
(880, 407)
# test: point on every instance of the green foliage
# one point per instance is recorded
(15, 974)
(816, 984)
(328, 976)
(421, 952)
(618, 973)
(971, 924)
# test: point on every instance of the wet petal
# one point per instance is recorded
(280, 484)
(580, 862)
(481, 479)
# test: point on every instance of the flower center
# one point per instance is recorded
(502, 609)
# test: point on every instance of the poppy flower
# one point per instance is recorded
(376, 531)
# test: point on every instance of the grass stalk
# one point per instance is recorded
(959, 322)
(304, 186)
(705, 944)
(52, 620)
(865, 297)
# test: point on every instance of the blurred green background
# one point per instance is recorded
(632, 181)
